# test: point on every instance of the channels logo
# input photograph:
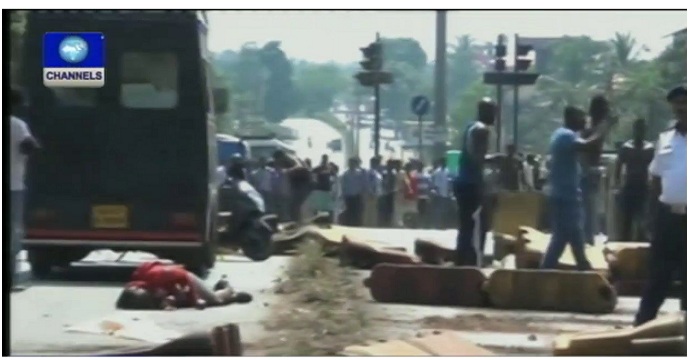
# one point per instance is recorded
(74, 60)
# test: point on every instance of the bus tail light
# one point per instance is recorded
(183, 220)
(42, 216)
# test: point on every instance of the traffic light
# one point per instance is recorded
(373, 57)
(521, 52)
(372, 64)
(501, 51)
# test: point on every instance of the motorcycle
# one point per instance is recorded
(245, 224)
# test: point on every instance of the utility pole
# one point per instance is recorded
(440, 93)
(373, 76)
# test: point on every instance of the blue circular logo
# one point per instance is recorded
(73, 49)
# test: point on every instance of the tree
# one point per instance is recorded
(624, 46)
(280, 98)
(318, 86)
(407, 61)
(404, 50)
(464, 110)
(465, 65)
(577, 69)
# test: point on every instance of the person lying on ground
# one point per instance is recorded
(158, 286)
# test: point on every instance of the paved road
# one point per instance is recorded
(41, 314)
(314, 135)
(503, 331)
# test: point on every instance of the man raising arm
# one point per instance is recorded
(564, 182)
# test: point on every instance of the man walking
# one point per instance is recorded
(564, 181)
(440, 194)
(668, 198)
(22, 144)
(635, 154)
(469, 186)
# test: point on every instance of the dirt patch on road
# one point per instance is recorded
(479, 322)
(321, 310)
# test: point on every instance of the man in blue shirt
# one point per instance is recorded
(564, 180)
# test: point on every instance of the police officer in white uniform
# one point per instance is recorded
(668, 247)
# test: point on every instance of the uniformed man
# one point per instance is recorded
(353, 189)
(635, 155)
(469, 186)
(668, 194)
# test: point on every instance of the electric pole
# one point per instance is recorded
(440, 94)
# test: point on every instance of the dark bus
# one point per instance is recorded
(131, 165)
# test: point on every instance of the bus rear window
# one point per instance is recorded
(149, 80)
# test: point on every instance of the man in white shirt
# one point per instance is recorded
(668, 245)
(440, 194)
(22, 144)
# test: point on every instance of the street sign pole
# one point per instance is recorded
(420, 137)
(499, 120)
(420, 106)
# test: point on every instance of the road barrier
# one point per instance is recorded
(427, 285)
(552, 290)
(364, 255)
(433, 252)
(622, 265)
(662, 336)
(222, 340)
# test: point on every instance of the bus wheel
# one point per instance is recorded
(41, 263)
(257, 244)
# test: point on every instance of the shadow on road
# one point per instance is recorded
(84, 275)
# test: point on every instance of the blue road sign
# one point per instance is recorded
(420, 105)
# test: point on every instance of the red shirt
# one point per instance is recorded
(153, 276)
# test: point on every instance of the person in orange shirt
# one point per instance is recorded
(405, 196)
(155, 285)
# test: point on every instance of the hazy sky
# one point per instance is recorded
(324, 36)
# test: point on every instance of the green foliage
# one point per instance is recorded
(464, 68)
(280, 99)
(265, 84)
(407, 61)
(319, 85)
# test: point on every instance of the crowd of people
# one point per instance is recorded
(397, 194)
(383, 194)
(393, 194)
